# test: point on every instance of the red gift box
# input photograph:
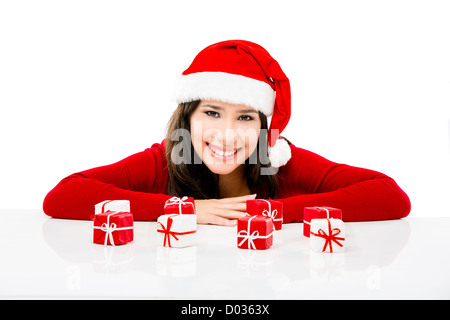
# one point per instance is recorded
(113, 227)
(176, 205)
(255, 232)
(318, 213)
(270, 208)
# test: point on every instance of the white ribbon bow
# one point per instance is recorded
(246, 235)
(270, 213)
(179, 201)
(110, 228)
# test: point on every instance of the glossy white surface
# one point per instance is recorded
(54, 258)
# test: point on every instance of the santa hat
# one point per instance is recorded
(242, 72)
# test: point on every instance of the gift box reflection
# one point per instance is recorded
(113, 259)
(326, 267)
(255, 263)
(176, 262)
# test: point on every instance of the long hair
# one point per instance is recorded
(191, 177)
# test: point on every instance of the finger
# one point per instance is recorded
(239, 199)
(230, 214)
(220, 221)
(236, 203)
(234, 206)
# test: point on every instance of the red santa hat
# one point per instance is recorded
(242, 72)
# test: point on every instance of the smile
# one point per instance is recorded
(221, 152)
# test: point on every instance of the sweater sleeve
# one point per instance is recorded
(363, 195)
(140, 178)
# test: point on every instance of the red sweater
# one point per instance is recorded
(306, 180)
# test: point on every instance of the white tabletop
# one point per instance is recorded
(45, 258)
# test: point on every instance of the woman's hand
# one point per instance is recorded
(224, 212)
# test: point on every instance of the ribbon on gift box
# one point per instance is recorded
(246, 235)
(167, 232)
(104, 204)
(329, 237)
(179, 201)
(271, 214)
(320, 208)
(110, 228)
(92, 217)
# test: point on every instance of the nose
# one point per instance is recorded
(226, 134)
(230, 136)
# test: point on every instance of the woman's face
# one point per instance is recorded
(224, 135)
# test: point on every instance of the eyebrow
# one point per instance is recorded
(221, 108)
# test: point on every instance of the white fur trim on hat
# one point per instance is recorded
(226, 87)
(280, 153)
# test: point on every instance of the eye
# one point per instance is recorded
(245, 118)
(213, 114)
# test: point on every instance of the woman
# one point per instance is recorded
(221, 150)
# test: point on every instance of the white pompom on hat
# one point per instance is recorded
(242, 72)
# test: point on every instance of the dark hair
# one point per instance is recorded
(193, 178)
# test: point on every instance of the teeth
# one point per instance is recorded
(223, 154)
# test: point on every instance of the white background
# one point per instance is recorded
(87, 83)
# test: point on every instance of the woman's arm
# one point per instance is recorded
(140, 178)
(311, 180)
